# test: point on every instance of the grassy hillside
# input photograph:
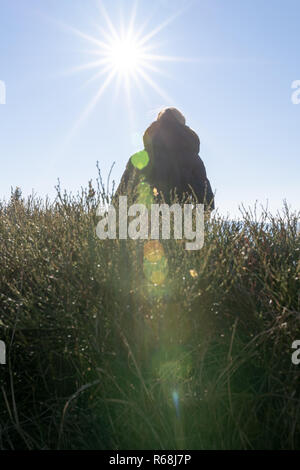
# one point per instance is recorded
(109, 349)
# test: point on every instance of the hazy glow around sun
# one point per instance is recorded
(124, 55)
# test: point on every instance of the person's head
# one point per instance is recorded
(169, 132)
(171, 114)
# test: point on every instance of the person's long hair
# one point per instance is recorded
(173, 149)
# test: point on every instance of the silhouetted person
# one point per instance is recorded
(174, 167)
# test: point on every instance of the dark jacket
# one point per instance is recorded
(174, 168)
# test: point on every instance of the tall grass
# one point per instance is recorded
(98, 358)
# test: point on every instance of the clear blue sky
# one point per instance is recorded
(236, 95)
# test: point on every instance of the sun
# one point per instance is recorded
(125, 55)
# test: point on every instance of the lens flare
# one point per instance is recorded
(175, 397)
(153, 251)
(156, 272)
(140, 159)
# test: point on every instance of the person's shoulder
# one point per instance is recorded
(199, 167)
(150, 132)
(194, 135)
(190, 138)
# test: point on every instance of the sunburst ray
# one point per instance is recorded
(127, 56)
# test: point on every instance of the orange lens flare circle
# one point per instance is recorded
(153, 251)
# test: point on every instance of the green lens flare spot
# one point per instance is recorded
(144, 194)
(140, 159)
(156, 272)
